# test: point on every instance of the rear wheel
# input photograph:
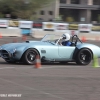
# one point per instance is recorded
(84, 57)
(29, 56)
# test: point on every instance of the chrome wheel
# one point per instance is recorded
(84, 57)
(30, 56)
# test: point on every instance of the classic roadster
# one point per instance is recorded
(50, 49)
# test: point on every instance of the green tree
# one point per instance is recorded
(21, 8)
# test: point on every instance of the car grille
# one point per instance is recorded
(5, 54)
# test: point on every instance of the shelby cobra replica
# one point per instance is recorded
(49, 49)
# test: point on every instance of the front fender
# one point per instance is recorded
(30, 47)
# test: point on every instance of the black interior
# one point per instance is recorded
(74, 40)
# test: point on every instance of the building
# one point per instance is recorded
(85, 11)
(49, 12)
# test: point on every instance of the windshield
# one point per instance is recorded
(51, 38)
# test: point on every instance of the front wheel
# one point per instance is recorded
(84, 57)
(29, 56)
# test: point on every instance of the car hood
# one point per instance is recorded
(23, 44)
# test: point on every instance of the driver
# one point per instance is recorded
(66, 39)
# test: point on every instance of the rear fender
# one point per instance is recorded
(93, 48)
(77, 50)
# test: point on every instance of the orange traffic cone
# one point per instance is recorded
(37, 62)
(0, 35)
(83, 39)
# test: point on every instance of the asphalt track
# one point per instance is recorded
(53, 81)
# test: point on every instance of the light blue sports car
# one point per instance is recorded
(50, 49)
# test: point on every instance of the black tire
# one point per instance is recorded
(84, 57)
(29, 56)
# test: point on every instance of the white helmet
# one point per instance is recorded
(66, 36)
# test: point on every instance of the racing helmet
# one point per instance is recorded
(66, 36)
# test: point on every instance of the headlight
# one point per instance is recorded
(12, 50)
